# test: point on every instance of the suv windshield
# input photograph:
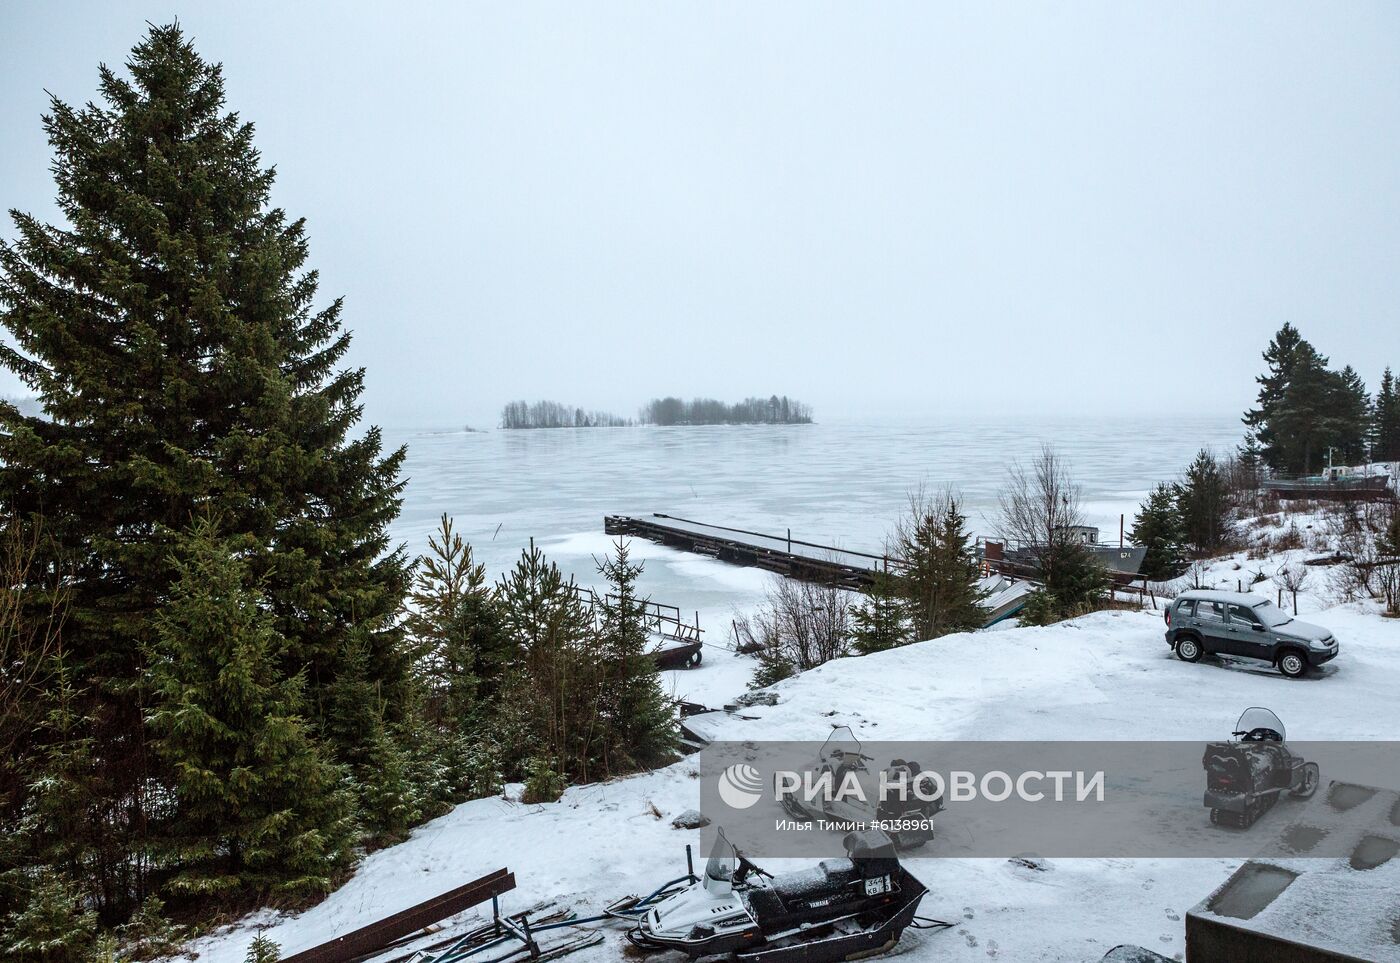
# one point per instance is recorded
(1271, 615)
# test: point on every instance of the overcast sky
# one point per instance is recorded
(1050, 208)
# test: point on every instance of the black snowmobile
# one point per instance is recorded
(905, 812)
(840, 909)
(1246, 776)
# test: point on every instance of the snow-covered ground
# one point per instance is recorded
(1105, 676)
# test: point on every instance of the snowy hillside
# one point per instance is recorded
(1104, 676)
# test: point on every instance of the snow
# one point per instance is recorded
(1104, 676)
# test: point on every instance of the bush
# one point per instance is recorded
(800, 626)
(543, 783)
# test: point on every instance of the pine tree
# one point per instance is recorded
(1386, 420)
(1203, 505)
(456, 624)
(940, 575)
(557, 676)
(257, 807)
(170, 331)
(1159, 529)
(638, 718)
(880, 620)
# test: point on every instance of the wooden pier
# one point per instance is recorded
(783, 554)
(829, 565)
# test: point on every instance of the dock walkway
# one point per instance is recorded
(784, 555)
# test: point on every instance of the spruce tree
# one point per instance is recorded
(1203, 504)
(357, 716)
(1159, 529)
(1281, 358)
(638, 718)
(53, 926)
(880, 620)
(940, 573)
(1386, 420)
(257, 808)
(1351, 416)
(65, 823)
(170, 330)
(1077, 585)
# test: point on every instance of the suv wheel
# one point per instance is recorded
(1188, 649)
(1292, 663)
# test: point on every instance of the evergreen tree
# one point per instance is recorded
(257, 807)
(59, 826)
(1388, 543)
(1351, 416)
(1203, 505)
(262, 950)
(1077, 585)
(457, 627)
(1159, 529)
(880, 620)
(150, 934)
(1303, 423)
(169, 330)
(53, 926)
(556, 682)
(940, 576)
(638, 718)
(356, 716)
(1281, 358)
(1386, 420)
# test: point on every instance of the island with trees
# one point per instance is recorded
(666, 412)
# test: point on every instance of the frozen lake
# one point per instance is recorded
(842, 484)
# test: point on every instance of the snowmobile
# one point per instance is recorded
(1246, 776)
(904, 813)
(840, 909)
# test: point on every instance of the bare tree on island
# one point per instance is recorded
(1040, 512)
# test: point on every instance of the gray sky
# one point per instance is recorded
(1049, 208)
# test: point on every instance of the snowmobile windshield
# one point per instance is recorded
(1271, 615)
(841, 742)
(1258, 723)
(723, 859)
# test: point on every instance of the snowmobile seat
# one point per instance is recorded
(872, 852)
(839, 872)
(765, 903)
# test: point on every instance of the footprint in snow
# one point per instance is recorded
(967, 912)
(971, 940)
(1174, 917)
(992, 949)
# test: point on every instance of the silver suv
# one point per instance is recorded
(1243, 625)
